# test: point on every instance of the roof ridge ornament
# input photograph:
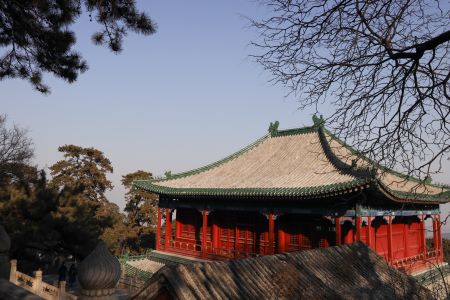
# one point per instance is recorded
(354, 166)
(428, 179)
(319, 122)
(273, 128)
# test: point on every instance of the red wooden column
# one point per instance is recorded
(390, 254)
(281, 240)
(358, 228)
(337, 224)
(423, 230)
(349, 236)
(178, 225)
(215, 236)
(405, 239)
(236, 240)
(271, 234)
(369, 231)
(168, 241)
(204, 231)
(439, 227)
(158, 231)
(435, 236)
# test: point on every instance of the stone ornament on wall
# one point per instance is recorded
(99, 274)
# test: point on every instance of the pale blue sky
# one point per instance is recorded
(178, 99)
(183, 97)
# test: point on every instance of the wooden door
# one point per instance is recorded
(246, 240)
(226, 241)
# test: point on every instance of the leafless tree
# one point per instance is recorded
(16, 148)
(382, 65)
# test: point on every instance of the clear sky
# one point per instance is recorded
(179, 99)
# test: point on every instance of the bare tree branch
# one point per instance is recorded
(382, 66)
(16, 149)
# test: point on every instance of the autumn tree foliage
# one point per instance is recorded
(382, 67)
(36, 36)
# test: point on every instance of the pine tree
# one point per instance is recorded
(141, 205)
(36, 35)
(140, 208)
(83, 169)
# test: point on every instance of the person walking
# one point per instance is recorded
(72, 275)
(62, 272)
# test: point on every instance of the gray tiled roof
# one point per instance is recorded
(342, 272)
(304, 162)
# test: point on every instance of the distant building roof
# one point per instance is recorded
(342, 272)
(146, 265)
(304, 162)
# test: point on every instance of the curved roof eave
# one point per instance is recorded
(303, 192)
(364, 177)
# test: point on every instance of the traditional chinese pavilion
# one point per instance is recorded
(298, 189)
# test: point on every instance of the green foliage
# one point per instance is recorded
(83, 169)
(115, 230)
(36, 35)
(141, 208)
(42, 218)
(140, 204)
(83, 173)
(77, 222)
(70, 213)
(67, 215)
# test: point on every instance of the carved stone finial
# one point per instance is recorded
(99, 274)
(273, 128)
(318, 121)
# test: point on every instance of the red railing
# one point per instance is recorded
(195, 250)
(411, 263)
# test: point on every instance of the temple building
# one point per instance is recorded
(294, 190)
